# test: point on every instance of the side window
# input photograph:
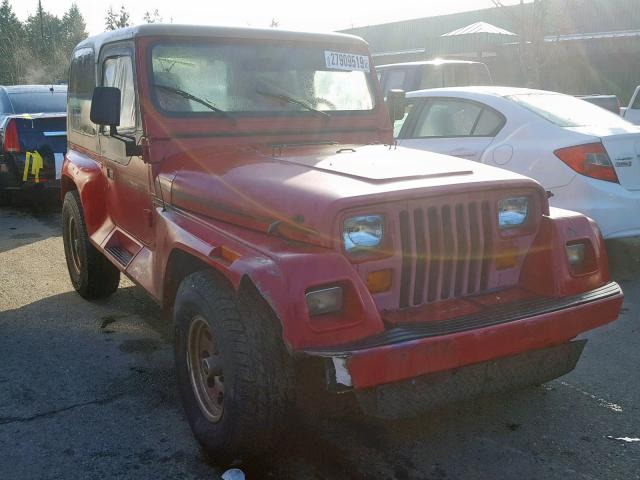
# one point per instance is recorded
(395, 79)
(636, 102)
(432, 77)
(447, 118)
(118, 72)
(397, 125)
(81, 84)
(489, 124)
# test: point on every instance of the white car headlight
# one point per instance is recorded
(512, 212)
(363, 232)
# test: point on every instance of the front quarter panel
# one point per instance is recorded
(84, 174)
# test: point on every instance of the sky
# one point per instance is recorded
(290, 14)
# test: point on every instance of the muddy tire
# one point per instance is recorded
(234, 373)
(91, 273)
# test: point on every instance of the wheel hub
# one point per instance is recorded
(205, 369)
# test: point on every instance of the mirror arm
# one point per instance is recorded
(132, 149)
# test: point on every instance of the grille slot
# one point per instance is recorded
(446, 252)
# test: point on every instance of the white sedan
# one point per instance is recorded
(586, 157)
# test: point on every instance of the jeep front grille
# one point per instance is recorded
(446, 251)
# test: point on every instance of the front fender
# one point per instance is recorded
(84, 174)
(282, 271)
(546, 270)
(283, 281)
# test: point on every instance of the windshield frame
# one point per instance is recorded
(371, 78)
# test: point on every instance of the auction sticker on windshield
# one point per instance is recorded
(347, 61)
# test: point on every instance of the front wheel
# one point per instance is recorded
(91, 273)
(234, 374)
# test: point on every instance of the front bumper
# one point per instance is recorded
(416, 396)
(411, 351)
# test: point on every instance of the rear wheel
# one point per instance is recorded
(91, 273)
(234, 373)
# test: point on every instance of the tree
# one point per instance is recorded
(115, 20)
(11, 39)
(74, 28)
(46, 60)
(154, 17)
(530, 20)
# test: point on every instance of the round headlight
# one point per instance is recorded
(363, 232)
(512, 212)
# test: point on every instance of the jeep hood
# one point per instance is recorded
(304, 188)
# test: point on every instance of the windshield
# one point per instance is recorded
(567, 111)
(260, 78)
(39, 102)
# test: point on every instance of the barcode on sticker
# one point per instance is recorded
(347, 61)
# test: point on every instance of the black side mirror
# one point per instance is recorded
(396, 104)
(105, 111)
(105, 106)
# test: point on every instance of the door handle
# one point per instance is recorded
(463, 153)
(110, 173)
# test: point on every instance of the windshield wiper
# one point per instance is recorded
(199, 100)
(295, 101)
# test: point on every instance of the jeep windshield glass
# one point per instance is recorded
(260, 78)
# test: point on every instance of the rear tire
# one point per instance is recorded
(236, 389)
(91, 273)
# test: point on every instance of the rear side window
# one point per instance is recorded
(457, 118)
(488, 124)
(118, 72)
(39, 102)
(82, 81)
(395, 79)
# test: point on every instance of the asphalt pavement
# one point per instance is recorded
(87, 391)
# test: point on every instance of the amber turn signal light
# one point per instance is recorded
(506, 258)
(379, 281)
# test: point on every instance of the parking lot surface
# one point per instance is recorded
(87, 391)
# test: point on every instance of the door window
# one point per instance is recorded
(447, 118)
(457, 118)
(118, 72)
(397, 125)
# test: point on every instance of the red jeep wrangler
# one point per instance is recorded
(247, 179)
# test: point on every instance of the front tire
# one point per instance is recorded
(234, 373)
(91, 273)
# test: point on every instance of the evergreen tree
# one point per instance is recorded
(152, 17)
(11, 45)
(115, 20)
(74, 28)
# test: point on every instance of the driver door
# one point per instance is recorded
(129, 196)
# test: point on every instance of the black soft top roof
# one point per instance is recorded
(172, 30)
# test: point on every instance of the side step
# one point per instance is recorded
(122, 256)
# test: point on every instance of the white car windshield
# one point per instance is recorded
(567, 111)
(201, 77)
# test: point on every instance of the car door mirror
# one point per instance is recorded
(396, 104)
(105, 106)
(105, 111)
